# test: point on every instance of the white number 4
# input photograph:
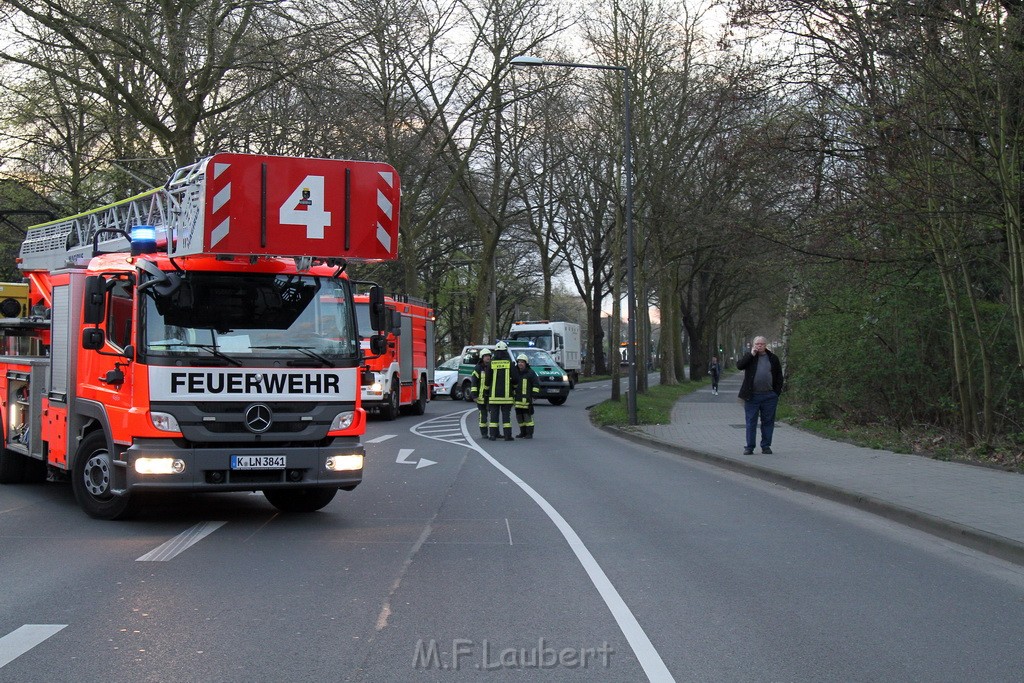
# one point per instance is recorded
(305, 206)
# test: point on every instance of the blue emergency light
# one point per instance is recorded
(143, 239)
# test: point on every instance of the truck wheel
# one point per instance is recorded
(558, 400)
(420, 406)
(12, 467)
(390, 409)
(91, 480)
(456, 392)
(467, 391)
(299, 500)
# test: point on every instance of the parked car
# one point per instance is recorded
(446, 377)
(554, 383)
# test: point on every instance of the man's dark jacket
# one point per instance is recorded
(748, 364)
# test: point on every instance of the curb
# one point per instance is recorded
(977, 539)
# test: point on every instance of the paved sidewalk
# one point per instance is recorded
(975, 506)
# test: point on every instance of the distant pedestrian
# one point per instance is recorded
(527, 389)
(762, 386)
(715, 370)
(478, 388)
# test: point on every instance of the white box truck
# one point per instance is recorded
(560, 339)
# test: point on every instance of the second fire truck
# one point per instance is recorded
(404, 371)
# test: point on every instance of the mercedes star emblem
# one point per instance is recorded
(258, 418)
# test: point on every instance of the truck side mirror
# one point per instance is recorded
(378, 311)
(396, 323)
(92, 338)
(95, 300)
(378, 344)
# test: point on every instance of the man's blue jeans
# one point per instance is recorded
(763, 404)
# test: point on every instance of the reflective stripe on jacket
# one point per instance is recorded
(528, 388)
(478, 389)
(502, 381)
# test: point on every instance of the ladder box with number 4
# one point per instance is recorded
(283, 206)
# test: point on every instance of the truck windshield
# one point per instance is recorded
(245, 318)
(542, 340)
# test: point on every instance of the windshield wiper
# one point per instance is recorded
(304, 350)
(174, 343)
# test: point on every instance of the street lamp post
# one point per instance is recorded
(627, 153)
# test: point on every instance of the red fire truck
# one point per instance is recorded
(200, 337)
(404, 372)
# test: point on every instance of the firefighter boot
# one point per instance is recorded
(508, 434)
(492, 434)
(529, 432)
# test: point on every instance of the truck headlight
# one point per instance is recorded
(345, 463)
(165, 422)
(159, 465)
(342, 421)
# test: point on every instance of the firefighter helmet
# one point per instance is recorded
(486, 352)
(523, 358)
(501, 346)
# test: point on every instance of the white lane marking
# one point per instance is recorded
(509, 529)
(379, 439)
(644, 650)
(181, 542)
(403, 459)
(21, 640)
(446, 428)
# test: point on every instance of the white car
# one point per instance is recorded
(446, 377)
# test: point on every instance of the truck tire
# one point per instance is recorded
(390, 408)
(91, 480)
(299, 500)
(558, 400)
(420, 406)
(12, 467)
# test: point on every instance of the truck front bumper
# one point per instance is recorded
(209, 469)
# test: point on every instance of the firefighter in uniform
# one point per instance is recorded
(501, 387)
(478, 388)
(528, 388)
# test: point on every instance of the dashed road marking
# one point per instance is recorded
(181, 542)
(21, 640)
(381, 439)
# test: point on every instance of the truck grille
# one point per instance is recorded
(225, 422)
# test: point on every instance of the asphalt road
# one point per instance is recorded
(574, 556)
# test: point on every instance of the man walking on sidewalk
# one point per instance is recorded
(762, 385)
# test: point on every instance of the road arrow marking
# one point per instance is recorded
(403, 455)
